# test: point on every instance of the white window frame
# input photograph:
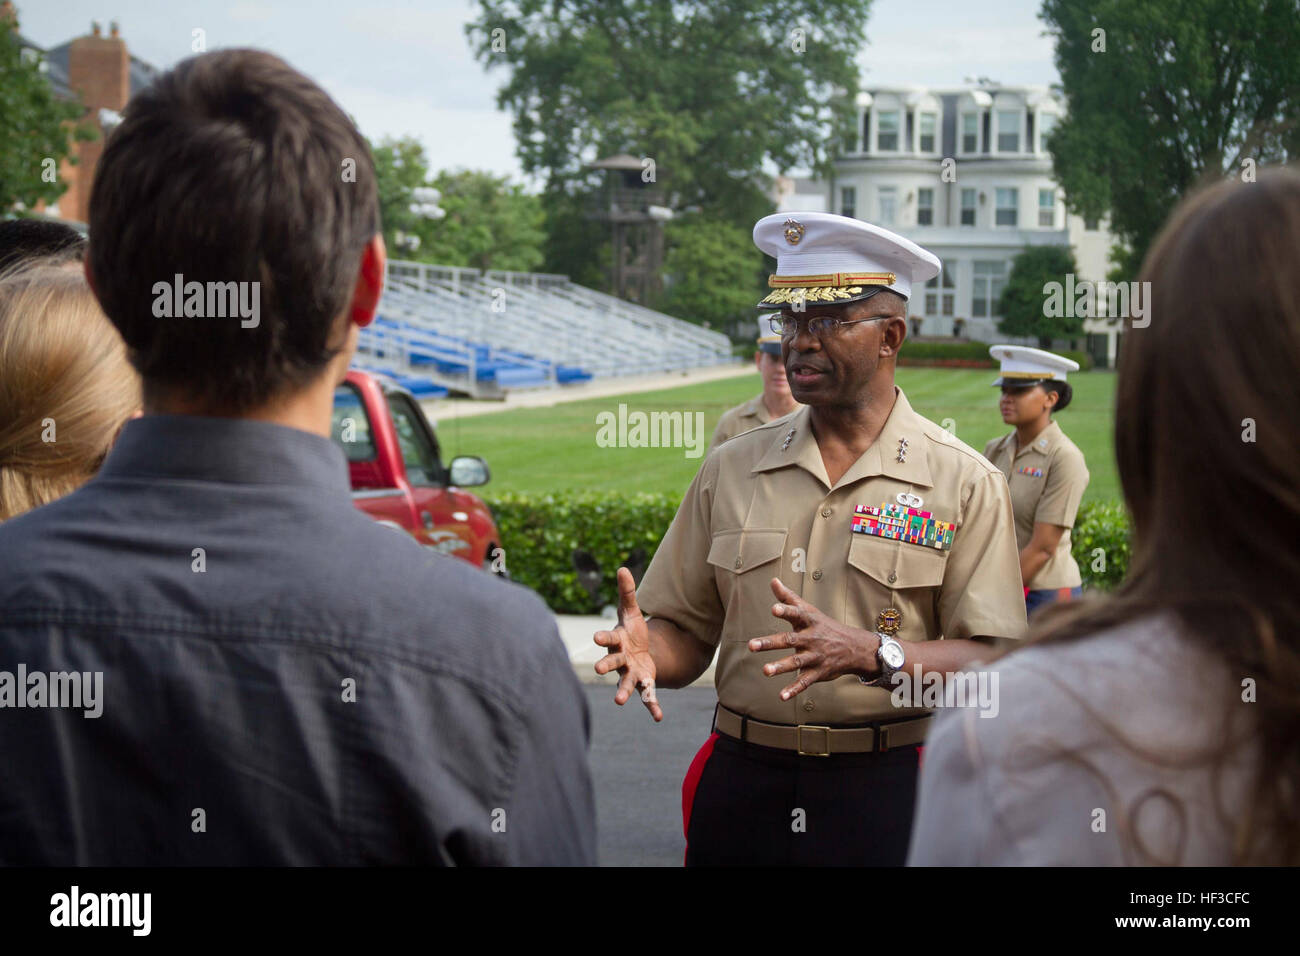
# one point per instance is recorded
(899, 130)
(880, 205)
(1041, 145)
(961, 132)
(1050, 209)
(919, 207)
(938, 132)
(998, 131)
(982, 284)
(853, 192)
(1015, 192)
(974, 207)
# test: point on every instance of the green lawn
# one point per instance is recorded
(555, 450)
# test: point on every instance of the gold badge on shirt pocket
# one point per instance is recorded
(899, 522)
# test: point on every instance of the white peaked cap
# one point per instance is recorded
(826, 259)
(1023, 365)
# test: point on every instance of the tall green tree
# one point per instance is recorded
(1023, 300)
(489, 222)
(714, 91)
(1166, 95)
(35, 128)
(711, 271)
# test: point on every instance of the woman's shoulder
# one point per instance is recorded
(1147, 657)
(1084, 728)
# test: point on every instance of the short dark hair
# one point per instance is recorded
(1064, 392)
(232, 167)
(28, 240)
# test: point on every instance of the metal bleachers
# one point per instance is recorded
(483, 334)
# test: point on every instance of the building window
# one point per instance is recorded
(989, 279)
(925, 207)
(970, 137)
(929, 123)
(1008, 131)
(866, 130)
(848, 201)
(1046, 123)
(887, 132)
(968, 207)
(932, 295)
(888, 205)
(1091, 225)
(1007, 208)
(1047, 208)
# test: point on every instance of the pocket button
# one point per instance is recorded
(817, 575)
(893, 576)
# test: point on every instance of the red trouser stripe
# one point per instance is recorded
(692, 781)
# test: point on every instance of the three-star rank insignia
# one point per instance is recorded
(902, 450)
(889, 621)
(789, 437)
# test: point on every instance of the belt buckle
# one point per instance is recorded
(798, 739)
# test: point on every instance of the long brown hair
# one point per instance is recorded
(66, 387)
(1207, 441)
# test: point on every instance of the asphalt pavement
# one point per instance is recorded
(638, 766)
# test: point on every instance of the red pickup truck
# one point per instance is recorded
(398, 477)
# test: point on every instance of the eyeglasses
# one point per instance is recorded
(787, 326)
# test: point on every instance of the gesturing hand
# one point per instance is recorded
(824, 648)
(629, 649)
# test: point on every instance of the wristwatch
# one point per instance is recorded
(889, 655)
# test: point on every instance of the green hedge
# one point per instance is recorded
(1104, 525)
(541, 532)
(966, 354)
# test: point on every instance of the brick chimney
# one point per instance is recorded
(99, 71)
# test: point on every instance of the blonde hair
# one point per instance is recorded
(66, 387)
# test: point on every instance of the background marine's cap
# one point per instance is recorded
(827, 260)
(768, 341)
(1022, 365)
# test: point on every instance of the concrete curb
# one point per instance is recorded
(577, 629)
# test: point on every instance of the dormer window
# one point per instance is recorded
(1046, 123)
(929, 124)
(887, 131)
(970, 132)
(1008, 131)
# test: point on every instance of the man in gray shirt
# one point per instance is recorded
(266, 675)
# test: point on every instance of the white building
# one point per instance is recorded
(996, 197)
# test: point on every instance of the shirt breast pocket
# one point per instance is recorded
(745, 561)
(894, 574)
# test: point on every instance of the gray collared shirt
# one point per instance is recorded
(284, 681)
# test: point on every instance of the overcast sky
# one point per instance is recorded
(405, 67)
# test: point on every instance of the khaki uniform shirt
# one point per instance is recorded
(1047, 481)
(738, 420)
(762, 507)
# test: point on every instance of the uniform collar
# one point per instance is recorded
(755, 406)
(880, 459)
(1046, 440)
